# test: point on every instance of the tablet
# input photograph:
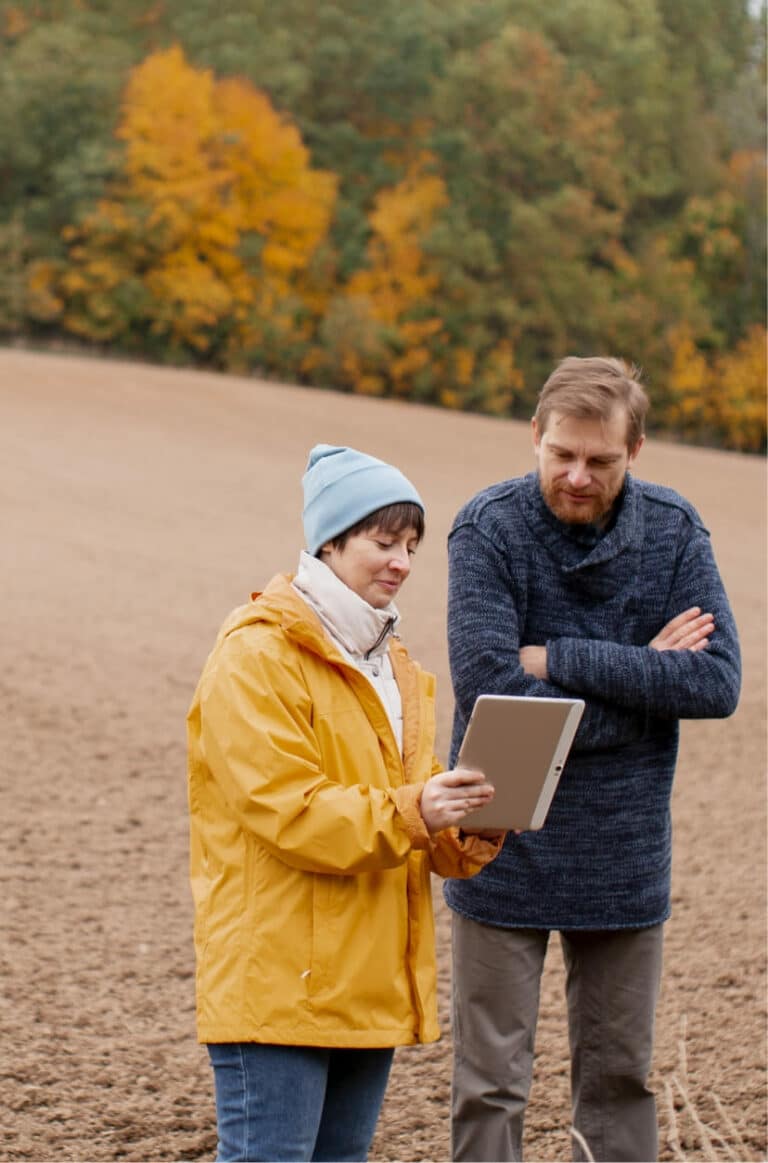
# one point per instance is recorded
(521, 745)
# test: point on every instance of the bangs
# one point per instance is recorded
(396, 518)
(391, 519)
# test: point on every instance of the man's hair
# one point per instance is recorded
(592, 389)
(391, 519)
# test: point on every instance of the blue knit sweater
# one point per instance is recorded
(518, 576)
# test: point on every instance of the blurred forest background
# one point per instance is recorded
(427, 199)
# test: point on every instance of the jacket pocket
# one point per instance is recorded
(334, 917)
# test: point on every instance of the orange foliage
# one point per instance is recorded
(746, 168)
(15, 22)
(215, 215)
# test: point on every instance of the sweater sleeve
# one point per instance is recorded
(484, 643)
(668, 684)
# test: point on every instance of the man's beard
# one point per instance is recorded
(595, 511)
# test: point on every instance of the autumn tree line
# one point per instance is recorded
(433, 200)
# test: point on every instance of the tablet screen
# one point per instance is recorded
(521, 745)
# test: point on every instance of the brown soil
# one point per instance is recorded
(138, 506)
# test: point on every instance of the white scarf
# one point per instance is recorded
(358, 630)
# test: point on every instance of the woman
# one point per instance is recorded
(317, 812)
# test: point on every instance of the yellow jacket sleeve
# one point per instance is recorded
(315, 812)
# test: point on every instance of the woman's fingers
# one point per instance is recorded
(461, 777)
(470, 788)
(450, 796)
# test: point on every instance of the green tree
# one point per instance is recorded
(59, 92)
(531, 158)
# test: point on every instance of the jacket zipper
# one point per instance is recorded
(386, 630)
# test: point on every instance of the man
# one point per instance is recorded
(578, 580)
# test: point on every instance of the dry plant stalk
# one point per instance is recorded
(708, 1137)
(674, 1137)
(577, 1135)
(741, 1147)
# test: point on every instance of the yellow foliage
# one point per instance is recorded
(397, 277)
(391, 337)
(501, 378)
(739, 392)
(208, 165)
(370, 385)
(168, 127)
(726, 398)
(394, 291)
(450, 398)
(688, 381)
(398, 292)
(192, 298)
(274, 191)
(43, 303)
(464, 365)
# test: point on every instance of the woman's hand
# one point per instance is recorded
(688, 631)
(450, 796)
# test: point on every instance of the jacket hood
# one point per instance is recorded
(279, 604)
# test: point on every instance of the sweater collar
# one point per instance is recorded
(582, 546)
(362, 630)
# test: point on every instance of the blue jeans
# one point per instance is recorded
(297, 1103)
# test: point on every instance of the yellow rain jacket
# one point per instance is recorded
(310, 862)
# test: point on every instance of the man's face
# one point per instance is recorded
(582, 464)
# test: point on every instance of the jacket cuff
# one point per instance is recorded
(456, 854)
(408, 802)
(480, 848)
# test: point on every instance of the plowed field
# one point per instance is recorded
(138, 506)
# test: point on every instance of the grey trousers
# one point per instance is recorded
(612, 985)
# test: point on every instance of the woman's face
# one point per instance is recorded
(374, 564)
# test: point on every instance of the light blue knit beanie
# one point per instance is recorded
(342, 486)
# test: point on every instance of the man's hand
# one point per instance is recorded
(533, 660)
(688, 631)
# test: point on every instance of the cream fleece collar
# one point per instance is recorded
(362, 630)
